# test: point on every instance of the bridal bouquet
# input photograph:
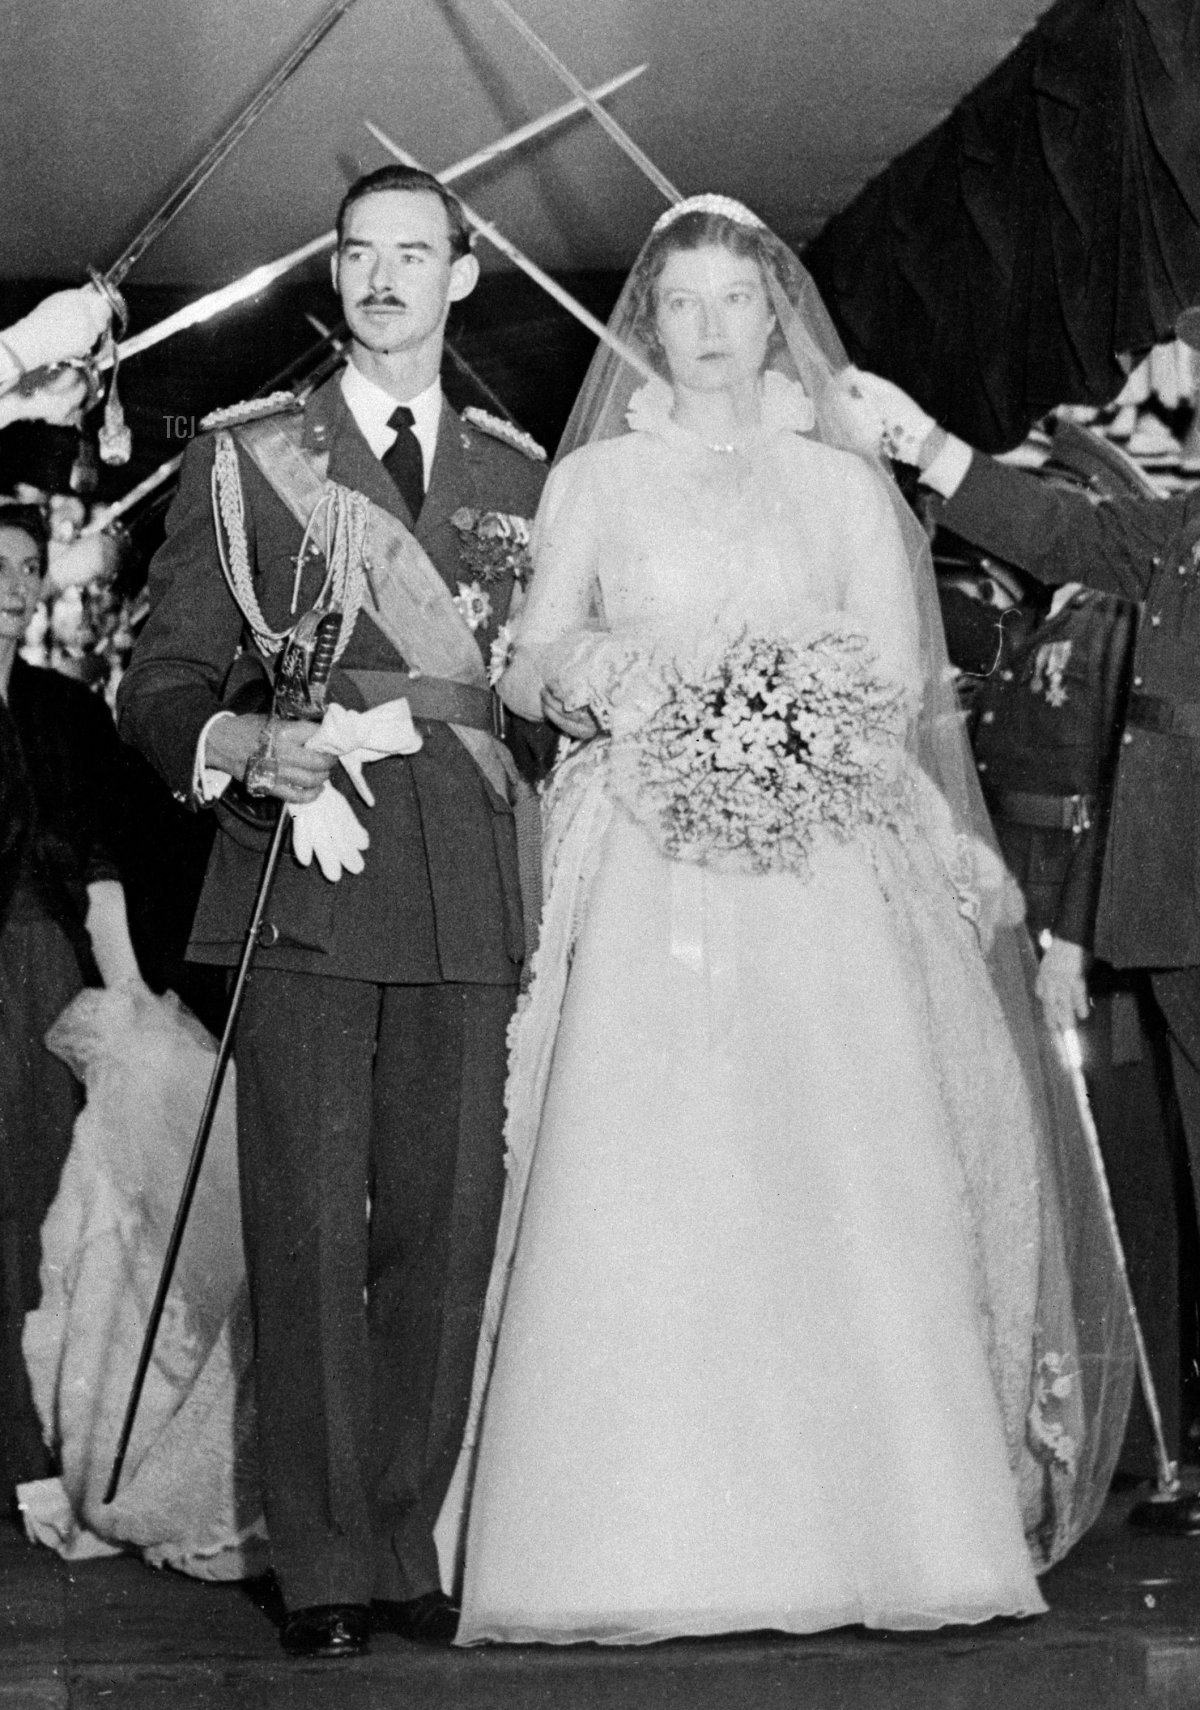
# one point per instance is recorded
(752, 753)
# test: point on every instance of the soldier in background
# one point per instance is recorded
(1046, 684)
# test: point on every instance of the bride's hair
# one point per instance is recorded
(699, 229)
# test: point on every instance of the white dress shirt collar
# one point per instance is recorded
(372, 408)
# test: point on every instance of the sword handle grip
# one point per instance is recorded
(329, 629)
(304, 667)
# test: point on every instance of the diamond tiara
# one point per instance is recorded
(709, 203)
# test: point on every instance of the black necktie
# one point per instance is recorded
(403, 460)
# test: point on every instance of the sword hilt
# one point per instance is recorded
(302, 675)
(106, 284)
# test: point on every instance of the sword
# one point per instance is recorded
(301, 681)
(302, 366)
(252, 284)
(605, 120)
(1071, 1053)
(494, 236)
(115, 441)
(224, 145)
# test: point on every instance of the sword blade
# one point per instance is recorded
(552, 288)
(224, 145)
(604, 119)
(1070, 1050)
(260, 278)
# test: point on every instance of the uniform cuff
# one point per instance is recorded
(945, 474)
(209, 782)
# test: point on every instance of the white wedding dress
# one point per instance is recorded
(764, 1346)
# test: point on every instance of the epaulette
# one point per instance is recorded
(251, 410)
(498, 428)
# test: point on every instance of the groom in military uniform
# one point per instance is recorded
(370, 1051)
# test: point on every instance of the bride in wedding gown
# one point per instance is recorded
(802, 1313)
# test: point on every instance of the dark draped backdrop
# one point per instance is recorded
(1050, 226)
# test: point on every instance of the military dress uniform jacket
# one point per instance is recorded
(1047, 720)
(439, 898)
(1149, 551)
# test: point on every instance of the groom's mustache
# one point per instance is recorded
(384, 301)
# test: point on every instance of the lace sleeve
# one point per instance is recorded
(563, 599)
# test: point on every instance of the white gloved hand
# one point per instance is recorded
(60, 399)
(885, 417)
(64, 325)
(329, 829)
(359, 737)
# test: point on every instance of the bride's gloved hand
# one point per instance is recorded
(886, 419)
(578, 722)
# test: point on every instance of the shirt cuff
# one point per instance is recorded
(945, 474)
(209, 782)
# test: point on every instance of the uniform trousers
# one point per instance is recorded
(370, 1123)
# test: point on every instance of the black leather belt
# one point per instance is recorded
(437, 698)
(1164, 717)
(1046, 813)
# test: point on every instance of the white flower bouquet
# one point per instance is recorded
(753, 752)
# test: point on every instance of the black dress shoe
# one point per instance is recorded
(327, 1630)
(431, 1619)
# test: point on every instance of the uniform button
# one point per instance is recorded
(1156, 560)
(1155, 619)
(1183, 569)
(1006, 676)
(1127, 738)
(981, 766)
(988, 718)
(268, 934)
(1138, 681)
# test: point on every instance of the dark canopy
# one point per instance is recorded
(1052, 222)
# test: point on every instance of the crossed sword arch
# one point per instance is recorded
(259, 279)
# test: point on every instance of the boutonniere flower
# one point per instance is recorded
(475, 604)
(501, 654)
(494, 544)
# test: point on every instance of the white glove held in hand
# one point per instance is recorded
(66, 324)
(885, 417)
(329, 829)
(358, 737)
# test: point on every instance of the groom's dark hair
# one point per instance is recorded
(412, 179)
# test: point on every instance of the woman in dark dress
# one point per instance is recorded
(62, 925)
